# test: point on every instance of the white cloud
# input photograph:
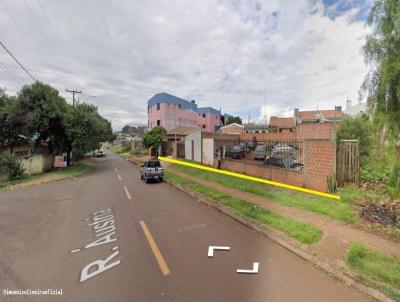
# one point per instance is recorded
(221, 53)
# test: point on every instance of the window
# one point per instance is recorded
(148, 109)
(199, 114)
(158, 106)
(256, 131)
(158, 123)
(179, 106)
(204, 126)
(204, 115)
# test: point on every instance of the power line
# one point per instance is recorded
(48, 19)
(35, 20)
(15, 59)
(11, 73)
(11, 15)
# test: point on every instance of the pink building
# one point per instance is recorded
(172, 112)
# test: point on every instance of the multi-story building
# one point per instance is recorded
(172, 112)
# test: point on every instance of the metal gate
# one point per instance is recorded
(348, 162)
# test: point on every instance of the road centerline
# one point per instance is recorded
(128, 195)
(154, 248)
(119, 177)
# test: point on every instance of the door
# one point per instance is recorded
(192, 150)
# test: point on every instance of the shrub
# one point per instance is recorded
(393, 186)
(13, 166)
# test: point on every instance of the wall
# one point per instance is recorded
(319, 163)
(232, 129)
(208, 151)
(270, 136)
(37, 163)
(196, 138)
(315, 130)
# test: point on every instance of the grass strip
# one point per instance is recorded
(338, 210)
(53, 175)
(376, 268)
(304, 233)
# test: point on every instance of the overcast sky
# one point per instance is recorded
(234, 55)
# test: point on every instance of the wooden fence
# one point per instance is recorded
(348, 162)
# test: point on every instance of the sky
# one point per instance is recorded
(247, 57)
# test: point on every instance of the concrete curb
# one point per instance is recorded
(347, 278)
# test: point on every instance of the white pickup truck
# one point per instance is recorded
(151, 169)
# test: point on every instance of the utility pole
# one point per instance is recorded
(73, 95)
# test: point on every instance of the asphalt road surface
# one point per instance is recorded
(108, 236)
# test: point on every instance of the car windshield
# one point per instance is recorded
(260, 148)
(153, 164)
(288, 161)
(236, 148)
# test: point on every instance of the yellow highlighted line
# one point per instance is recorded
(128, 195)
(119, 177)
(257, 179)
(154, 248)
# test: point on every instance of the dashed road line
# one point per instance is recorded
(128, 195)
(154, 248)
(119, 177)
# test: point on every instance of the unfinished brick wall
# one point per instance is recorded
(319, 163)
(270, 136)
(315, 130)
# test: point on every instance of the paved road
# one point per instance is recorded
(160, 252)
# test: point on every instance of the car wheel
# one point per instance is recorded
(146, 180)
(141, 176)
(161, 179)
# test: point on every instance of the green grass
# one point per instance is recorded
(376, 268)
(341, 210)
(302, 232)
(56, 174)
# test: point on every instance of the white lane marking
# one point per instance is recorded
(212, 248)
(249, 271)
(75, 251)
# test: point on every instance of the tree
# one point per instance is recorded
(382, 53)
(233, 119)
(360, 128)
(85, 129)
(129, 129)
(154, 137)
(41, 110)
(10, 122)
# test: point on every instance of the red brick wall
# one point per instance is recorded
(270, 136)
(314, 130)
(319, 163)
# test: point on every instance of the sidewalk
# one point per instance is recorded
(333, 246)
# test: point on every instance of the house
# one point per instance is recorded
(175, 141)
(233, 128)
(171, 112)
(255, 128)
(201, 146)
(355, 110)
(281, 124)
(318, 116)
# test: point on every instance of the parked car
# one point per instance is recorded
(283, 149)
(260, 152)
(283, 161)
(238, 151)
(101, 153)
(151, 170)
(251, 145)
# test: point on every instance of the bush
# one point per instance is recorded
(13, 166)
(393, 186)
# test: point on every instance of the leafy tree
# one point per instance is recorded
(360, 128)
(41, 110)
(129, 129)
(10, 122)
(382, 52)
(85, 129)
(154, 137)
(233, 119)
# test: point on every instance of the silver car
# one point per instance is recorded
(151, 170)
(260, 152)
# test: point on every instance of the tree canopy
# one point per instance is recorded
(154, 137)
(40, 116)
(382, 53)
(233, 119)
